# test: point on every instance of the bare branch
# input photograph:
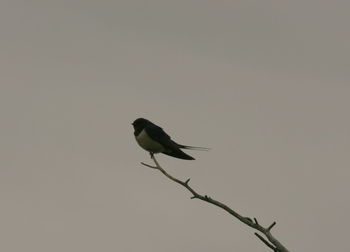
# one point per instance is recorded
(269, 239)
(265, 241)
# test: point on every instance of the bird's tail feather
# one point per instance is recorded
(193, 148)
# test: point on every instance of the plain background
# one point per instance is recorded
(265, 84)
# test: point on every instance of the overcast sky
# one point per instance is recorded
(264, 84)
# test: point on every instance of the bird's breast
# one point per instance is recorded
(148, 143)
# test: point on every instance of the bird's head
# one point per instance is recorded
(139, 124)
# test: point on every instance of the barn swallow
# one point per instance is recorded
(153, 139)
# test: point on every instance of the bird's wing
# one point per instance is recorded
(158, 134)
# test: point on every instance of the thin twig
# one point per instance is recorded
(265, 241)
(270, 240)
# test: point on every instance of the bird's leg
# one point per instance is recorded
(151, 154)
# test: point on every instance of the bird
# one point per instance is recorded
(153, 139)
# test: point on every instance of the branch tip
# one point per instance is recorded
(149, 166)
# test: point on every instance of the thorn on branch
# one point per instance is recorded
(271, 226)
(206, 197)
(256, 221)
(186, 182)
(194, 197)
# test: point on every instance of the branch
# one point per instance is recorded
(266, 237)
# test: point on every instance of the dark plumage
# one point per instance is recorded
(153, 139)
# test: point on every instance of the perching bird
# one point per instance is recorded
(153, 139)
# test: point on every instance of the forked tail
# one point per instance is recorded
(193, 148)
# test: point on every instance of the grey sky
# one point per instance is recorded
(265, 84)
